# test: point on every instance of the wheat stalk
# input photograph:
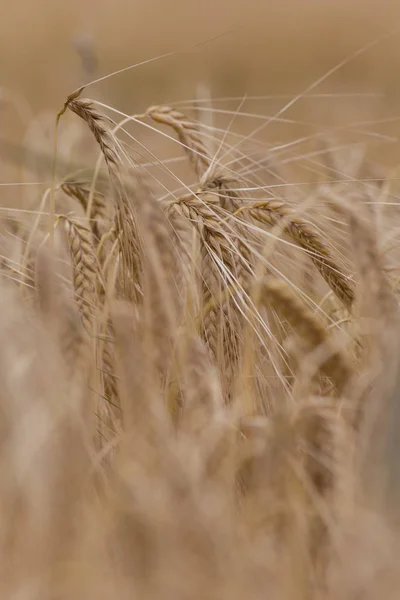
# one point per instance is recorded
(224, 186)
(125, 221)
(188, 134)
(99, 213)
(85, 270)
(216, 184)
(323, 436)
(160, 273)
(312, 332)
(220, 318)
(272, 212)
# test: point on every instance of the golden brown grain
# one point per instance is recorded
(188, 135)
(313, 333)
(84, 270)
(125, 221)
(99, 213)
(272, 212)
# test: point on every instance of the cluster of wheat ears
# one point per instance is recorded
(198, 382)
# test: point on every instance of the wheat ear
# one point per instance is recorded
(99, 213)
(324, 438)
(160, 267)
(84, 269)
(216, 184)
(125, 221)
(204, 212)
(311, 330)
(224, 186)
(188, 135)
(272, 212)
(221, 269)
(378, 311)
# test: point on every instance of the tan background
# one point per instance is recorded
(273, 43)
(274, 47)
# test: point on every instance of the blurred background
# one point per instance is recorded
(260, 47)
(272, 44)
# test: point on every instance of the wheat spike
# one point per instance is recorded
(159, 259)
(376, 402)
(323, 436)
(224, 186)
(125, 221)
(188, 134)
(201, 397)
(84, 269)
(84, 108)
(272, 212)
(108, 367)
(306, 324)
(221, 322)
(99, 214)
(204, 212)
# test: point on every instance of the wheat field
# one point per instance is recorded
(199, 316)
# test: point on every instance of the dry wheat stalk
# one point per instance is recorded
(220, 318)
(108, 410)
(223, 186)
(61, 316)
(272, 212)
(85, 270)
(318, 424)
(375, 403)
(312, 332)
(203, 428)
(205, 214)
(85, 109)
(99, 214)
(380, 301)
(125, 221)
(73, 339)
(142, 409)
(323, 437)
(222, 237)
(201, 397)
(45, 285)
(210, 292)
(108, 371)
(220, 322)
(188, 134)
(184, 239)
(160, 265)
